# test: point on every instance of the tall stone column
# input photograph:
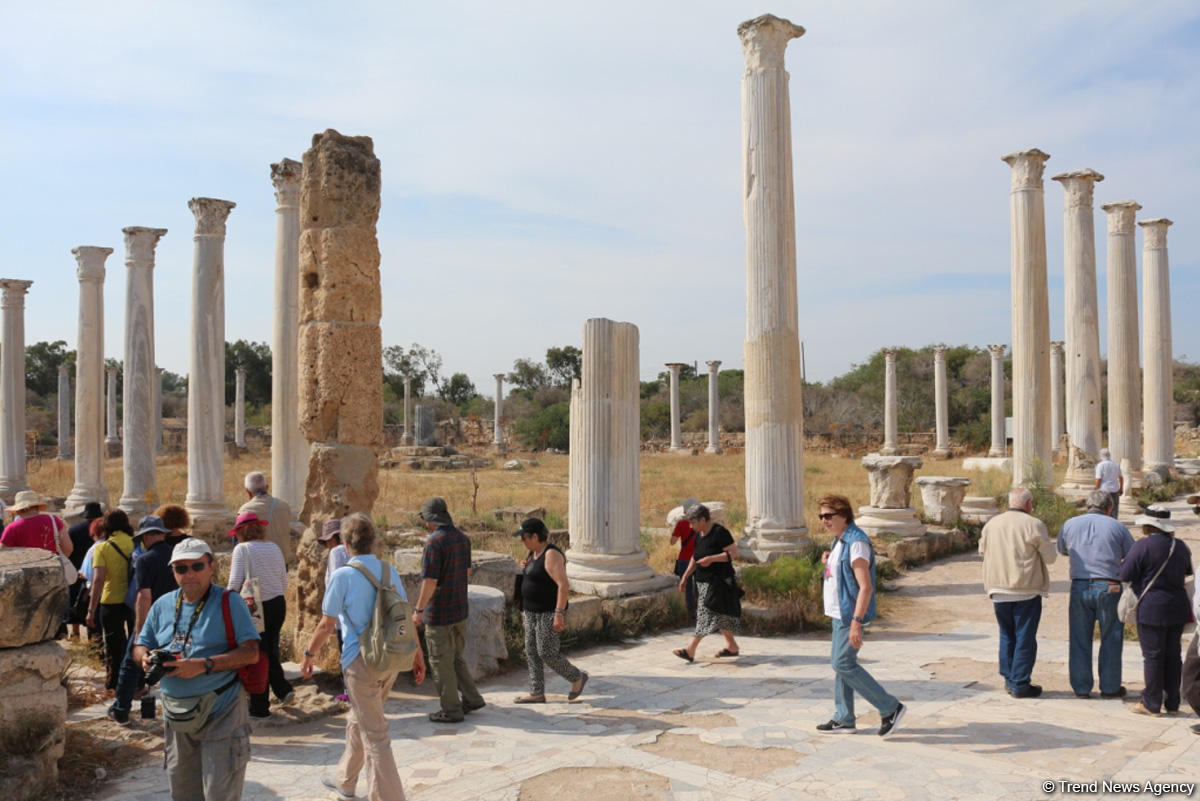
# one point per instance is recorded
(1030, 321)
(239, 408)
(999, 447)
(1082, 367)
(113, 437)
(1056, 394)
(941, 404)
(289, 449)
(64, 413)
(158, 410)
(408, 438)
(140, 495)
(891, 406)
(1158, 361)
(1124, 377)
(676, 428)
(498, 434)
(89, 380)
(606, 557)
(12, 387)
(773, 384)
(714, 426)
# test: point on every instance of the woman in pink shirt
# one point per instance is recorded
(34, 528)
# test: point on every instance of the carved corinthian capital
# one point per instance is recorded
(764, 39)
(1027, 167)
(139, 245)
(90, 261)
(997, 351)
(1155, 233)
(1121, 215)
(285, 175)
(211, 214)
(14, 290)
(1079, 186)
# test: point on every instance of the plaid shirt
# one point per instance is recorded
(447, 559)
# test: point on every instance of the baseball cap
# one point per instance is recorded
(191, 548)
(532, 526)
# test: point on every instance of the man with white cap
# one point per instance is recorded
(1109, 478)
(206, 736)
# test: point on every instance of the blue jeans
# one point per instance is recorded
(1091, 601)
(1018, 640)
(129, 679)
(850, 677)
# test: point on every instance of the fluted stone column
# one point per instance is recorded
(408, 438)
(676, 427)
(498, 434)
(773, 384)
(158, 412)
(89, 380)
(941, 404)
(1030, 321)
(606, 557)
(891, 406)
(12, 387)
(1082, 367)
(289, 449)
(206, 372)
(1056, 394)
(113, 437)
(140, 494)
(1124, 377)
(1158, 402)
(999, 447)
(239, 408)
(714, 426)
(64, 413)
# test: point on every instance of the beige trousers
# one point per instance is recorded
(367, 737)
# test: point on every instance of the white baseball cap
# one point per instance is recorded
(191, 548)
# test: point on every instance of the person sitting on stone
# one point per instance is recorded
(276, 510)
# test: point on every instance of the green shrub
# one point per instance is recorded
(1168, 490)
(1052, 509)
(554, 521)
(786, 577)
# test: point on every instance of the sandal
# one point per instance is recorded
(683, 654)
(727, 652)
(571, 696)
(530, 699)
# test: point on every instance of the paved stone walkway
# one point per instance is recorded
(651, 726)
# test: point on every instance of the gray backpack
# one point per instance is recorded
(388, 643)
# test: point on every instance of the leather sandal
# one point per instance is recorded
(727, 652)
(684, 655)
(571, 696)
(530, 699)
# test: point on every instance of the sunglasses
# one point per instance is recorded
(181, 568)
(827, 515)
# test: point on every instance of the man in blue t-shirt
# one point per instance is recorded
(190, 623)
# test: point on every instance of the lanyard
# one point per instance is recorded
(187, 637)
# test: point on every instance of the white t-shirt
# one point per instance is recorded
(858, 550)
(1109, 473)
(338, 557)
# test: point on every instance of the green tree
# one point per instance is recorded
(548, 428)
(41, 366)
(255, 359)
(564, 364)
(420, 365)
(528, 375)
(459, 390)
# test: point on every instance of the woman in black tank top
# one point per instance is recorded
(544, 592)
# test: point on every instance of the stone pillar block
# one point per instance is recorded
(891, 507)
(485, 647)
(339, 400)
(942, 497)
(33, 712)
(33, 594)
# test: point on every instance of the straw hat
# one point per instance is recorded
(26, 499)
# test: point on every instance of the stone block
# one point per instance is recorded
(518, 514)
(891, 479)
(716, 510)
(33, 711)
(485, 646)
(496, 570)
(340, 183)
(341, 383)
(584, 613)
(341, 479)
(339, 275)
(33, 595)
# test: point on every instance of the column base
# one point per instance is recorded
(939, 453)
(1128, 509)
(80, 496)
(875, 521)
(612, 575)
(886, 451)
(988, 463)
(768, 544)
(713, 449)
(680, 450)
(406, 439)
(137, 508)
(211, 522)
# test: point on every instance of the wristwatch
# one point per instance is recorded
(858, 619)
(308, 653)
(208, 665)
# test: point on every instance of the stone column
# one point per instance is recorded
(714, 426)
(676, 428)
(1030, 321)
(999, 448)
(1124, 377)
(140, 495)
(941, 404)
(1158, 402)
(239, 408)
(498, 436)
(942, 497)
(89, 380)
(408, 438)
(606, 557)
(891, 509)
(158, 413)
(64, 413)
(12, 387)
(774, 409)
(1082, 368)
(113, 438)
(289, 450)
(891, 406)
(205, 500)
(1056, 395)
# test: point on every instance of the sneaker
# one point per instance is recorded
(1195, 728)
(287, 699)
(117, 716)
(1120, 693)
(1174, 713)
(330, 784)
(1032, 691)
(1140, 709)
(833, 727)
(888, 723)
(1083, 695)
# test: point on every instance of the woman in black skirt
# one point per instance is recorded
(712, 563)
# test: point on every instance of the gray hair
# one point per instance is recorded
(1019, 497)
(699, 512)
(255, 482)
(358, 533)
(1099, 499)
(1105, 454)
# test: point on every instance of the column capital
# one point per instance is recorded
(890, 353)
(285, 175)
(62, 369)
(1027, 167)
(1154, 233)
(139, 245)
(764, 40)
(240, 371)
(939, 352)
(675, 366)
(112, 371)
(14, 292)
(1056, 347)
(997, 351)
(1079, 185)
(211, 214)
(1121, 214)
(713, 365)
(90, 261)
(497, 376)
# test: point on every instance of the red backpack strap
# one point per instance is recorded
(228, 619)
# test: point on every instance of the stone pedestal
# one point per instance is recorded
(676, 424)
(1124, 377)
(773, 383)
(1158, 401)
(425, 425)
(289, 449)
(606, 557)
(498, 428)
(941, 403)
(1056, 396)
(239, 408)
(12, 387)
(999, 448)
(1128, 508)
(1030, 321)
(942, 498)
(113, 436)
(485, 645)
(714, 425)
(89, 381)
(891, 508)
(979, 509)
(64, 413)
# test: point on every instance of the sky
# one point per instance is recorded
(548, 162)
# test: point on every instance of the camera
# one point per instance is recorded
(159, 661)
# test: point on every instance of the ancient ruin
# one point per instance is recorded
(113, 438)
(942, 497)
(1056, 395)
(891, 509)
(12, 387)
(64, 413)
(239, 408)
(289, 449)
(714, 424)
(891, 405)
(89, 380)
(1124, 377)
(498, 428)
(1158, 362)
(941, 403)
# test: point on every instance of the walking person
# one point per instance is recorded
(81, 542)
(112, 566)
(686, 536)
(331, 538)
(1109, 479)
(711, 564)
(544, 594)
(849, 595)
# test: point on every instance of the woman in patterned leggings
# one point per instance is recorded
(544, 594)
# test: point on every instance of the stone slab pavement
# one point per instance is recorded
(651, 726)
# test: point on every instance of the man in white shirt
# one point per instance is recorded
(1109, 478)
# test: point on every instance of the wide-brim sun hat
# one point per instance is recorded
(246, 519)
(151, 524)
(26, 499)
(434, 511)
(1154, 522)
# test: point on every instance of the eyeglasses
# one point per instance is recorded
(182, 568)
(827, 515)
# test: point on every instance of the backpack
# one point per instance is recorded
(388, 644)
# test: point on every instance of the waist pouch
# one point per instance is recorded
(189, 714)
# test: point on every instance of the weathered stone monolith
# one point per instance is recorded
(12, 387)
(289, 449)
(1158, 402)
(89, 380)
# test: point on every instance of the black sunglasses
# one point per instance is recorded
(827, 515)
(181, 569)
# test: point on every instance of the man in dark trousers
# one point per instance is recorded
(82, 540)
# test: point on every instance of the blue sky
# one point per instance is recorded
(546, 162)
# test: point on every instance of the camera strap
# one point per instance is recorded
(187, 637)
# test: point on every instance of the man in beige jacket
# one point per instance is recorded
(1016, 552)
(274, 510)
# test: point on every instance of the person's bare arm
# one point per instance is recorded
(99, 576)
(428, 586)
(862, 574)
(245, 654)
(141, 609)
(65, 543)
(556, 566)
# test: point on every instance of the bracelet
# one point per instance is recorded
(560, 611)
(419, 611)
(308, 654)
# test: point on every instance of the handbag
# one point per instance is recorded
(69, 571)
(1127, 606)
(189, 714)
(725, 597)
(252, 594)
(253, 676)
